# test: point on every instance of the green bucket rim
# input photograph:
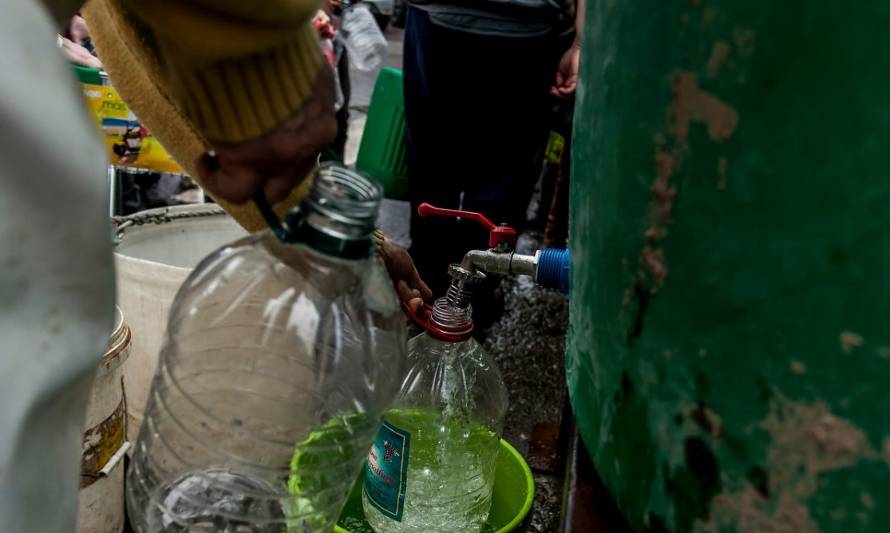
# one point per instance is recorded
(529, 486)
(529, 492)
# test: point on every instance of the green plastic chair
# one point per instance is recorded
(382, 151)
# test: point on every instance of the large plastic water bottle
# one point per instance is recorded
(432, 465)
(280, 358)
(364, 40)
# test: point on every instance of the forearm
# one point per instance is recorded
(238, 69)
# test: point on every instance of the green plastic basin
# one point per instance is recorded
(514, 491)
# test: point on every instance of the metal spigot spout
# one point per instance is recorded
(500, 263)
(460, 292)
(549, 267)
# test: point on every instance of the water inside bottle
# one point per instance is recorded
(450, 474)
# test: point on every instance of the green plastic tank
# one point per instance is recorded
(382, 150)
(729, 350)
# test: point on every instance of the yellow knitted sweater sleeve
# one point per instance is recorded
(238, 67)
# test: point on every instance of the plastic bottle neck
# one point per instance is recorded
(338, 215)
(450, 322)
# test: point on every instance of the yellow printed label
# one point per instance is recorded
(128, 143)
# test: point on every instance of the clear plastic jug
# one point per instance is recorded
(432, 465)
(363, 38)
(279, 361)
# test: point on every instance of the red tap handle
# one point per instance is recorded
(429, 210)
(496, 234)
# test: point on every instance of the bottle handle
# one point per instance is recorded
(262, 204)
(422, 319)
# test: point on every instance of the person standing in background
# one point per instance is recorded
(477, 76)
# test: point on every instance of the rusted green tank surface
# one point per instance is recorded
(729, 352)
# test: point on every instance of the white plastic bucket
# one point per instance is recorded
(157, 250)
(101, 500)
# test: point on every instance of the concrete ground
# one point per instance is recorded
(527, 341)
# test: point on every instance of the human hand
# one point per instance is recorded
(410, 288)
(77, 54)
(278, 160)
(323, 24)
(77, 29)
(567, 73)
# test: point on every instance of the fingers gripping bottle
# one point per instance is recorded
(283, 349)
(432, 465)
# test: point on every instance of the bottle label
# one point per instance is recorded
(386, 472)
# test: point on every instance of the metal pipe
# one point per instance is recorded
(500, 263)
(524, 264)
(487, 261)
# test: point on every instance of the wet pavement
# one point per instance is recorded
(527, 342)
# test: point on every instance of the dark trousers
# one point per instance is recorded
(346, 88)
(476, 111)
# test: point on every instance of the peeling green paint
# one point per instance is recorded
(729, 345)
